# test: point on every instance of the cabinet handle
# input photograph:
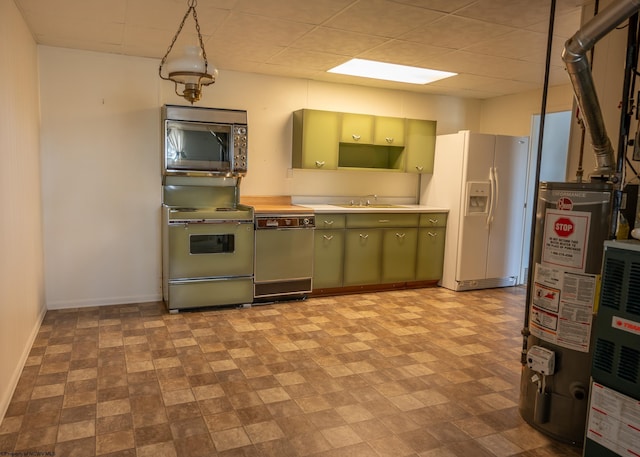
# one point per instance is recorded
(327, 237)
(433, 221)
(363, 236)
(383, 221)
(432, 235)
(419, 167)
(319, 163)
(355, 137)
(400, 235)
(389, 139)
(328, 222)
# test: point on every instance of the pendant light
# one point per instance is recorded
(190, 68)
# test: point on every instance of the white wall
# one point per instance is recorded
(21, 270)
(101, 161)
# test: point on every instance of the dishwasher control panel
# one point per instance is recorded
(275, 222)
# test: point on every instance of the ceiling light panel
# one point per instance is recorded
(390, 72)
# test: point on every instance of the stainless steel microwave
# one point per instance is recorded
(204, 141)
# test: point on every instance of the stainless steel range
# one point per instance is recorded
(208, 245)
(284, 256)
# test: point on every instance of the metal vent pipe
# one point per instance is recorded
(575, 58)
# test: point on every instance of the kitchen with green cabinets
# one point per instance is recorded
(369, 243)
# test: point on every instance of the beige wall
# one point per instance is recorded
(21, 286)
(511, 114)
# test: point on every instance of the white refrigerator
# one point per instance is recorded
(482, 180)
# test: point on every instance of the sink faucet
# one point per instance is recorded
(368, 202)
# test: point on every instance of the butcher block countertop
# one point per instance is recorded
(280, 204)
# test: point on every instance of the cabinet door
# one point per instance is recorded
(328, 258)
(420, 146)
(357, 128)
(430, 253)
(389, 131)
(399, 254)
(315, 139)
(362, 256)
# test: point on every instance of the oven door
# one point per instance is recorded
(206, 250)
(192, 147)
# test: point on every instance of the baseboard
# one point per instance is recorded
(5, 397)
(105, 301)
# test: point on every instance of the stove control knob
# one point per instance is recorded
(306, 221)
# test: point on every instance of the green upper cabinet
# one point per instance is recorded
(315, 139)
(357, 128)
(420, 145)
(327, 140)
(389, 131)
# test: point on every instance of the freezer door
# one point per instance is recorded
(474, 229)
(506, 232)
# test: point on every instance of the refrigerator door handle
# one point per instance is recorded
(493, 196)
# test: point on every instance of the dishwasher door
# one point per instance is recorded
(283, 262)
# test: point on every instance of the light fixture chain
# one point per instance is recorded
(175, 37)
(204, 53)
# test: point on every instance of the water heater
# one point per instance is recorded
(572, 224)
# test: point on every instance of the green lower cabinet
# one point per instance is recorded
(399, 255)
(328, 258)
(430, 253)
(362, 256)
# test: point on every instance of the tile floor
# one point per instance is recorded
(426, 372)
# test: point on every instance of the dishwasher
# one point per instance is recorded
(283, 256)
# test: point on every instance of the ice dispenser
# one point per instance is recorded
(478, 193)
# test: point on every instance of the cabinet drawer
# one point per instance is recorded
(381, 220)
(433, 220)
(330, 221)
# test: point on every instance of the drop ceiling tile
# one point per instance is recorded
(75, 10)
(240, 27)
(517, 44)
(490, 66)
(463, 81)
(82, 33)
(456, 32)
(382, 18)
(309, 12)
(404, 53)
(564, 24)
(308, 59)
(324, 39)
(508, 12)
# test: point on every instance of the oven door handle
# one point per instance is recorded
(207, 222)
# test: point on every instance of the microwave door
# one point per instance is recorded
(192, 147)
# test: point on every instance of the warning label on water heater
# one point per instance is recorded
(562, 307)
(565, 239)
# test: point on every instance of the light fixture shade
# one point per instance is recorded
(186, 68)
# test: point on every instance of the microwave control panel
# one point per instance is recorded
(240, 148)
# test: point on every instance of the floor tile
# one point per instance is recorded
(420, 373)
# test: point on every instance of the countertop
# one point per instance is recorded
(319, 209)
(282, 205)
